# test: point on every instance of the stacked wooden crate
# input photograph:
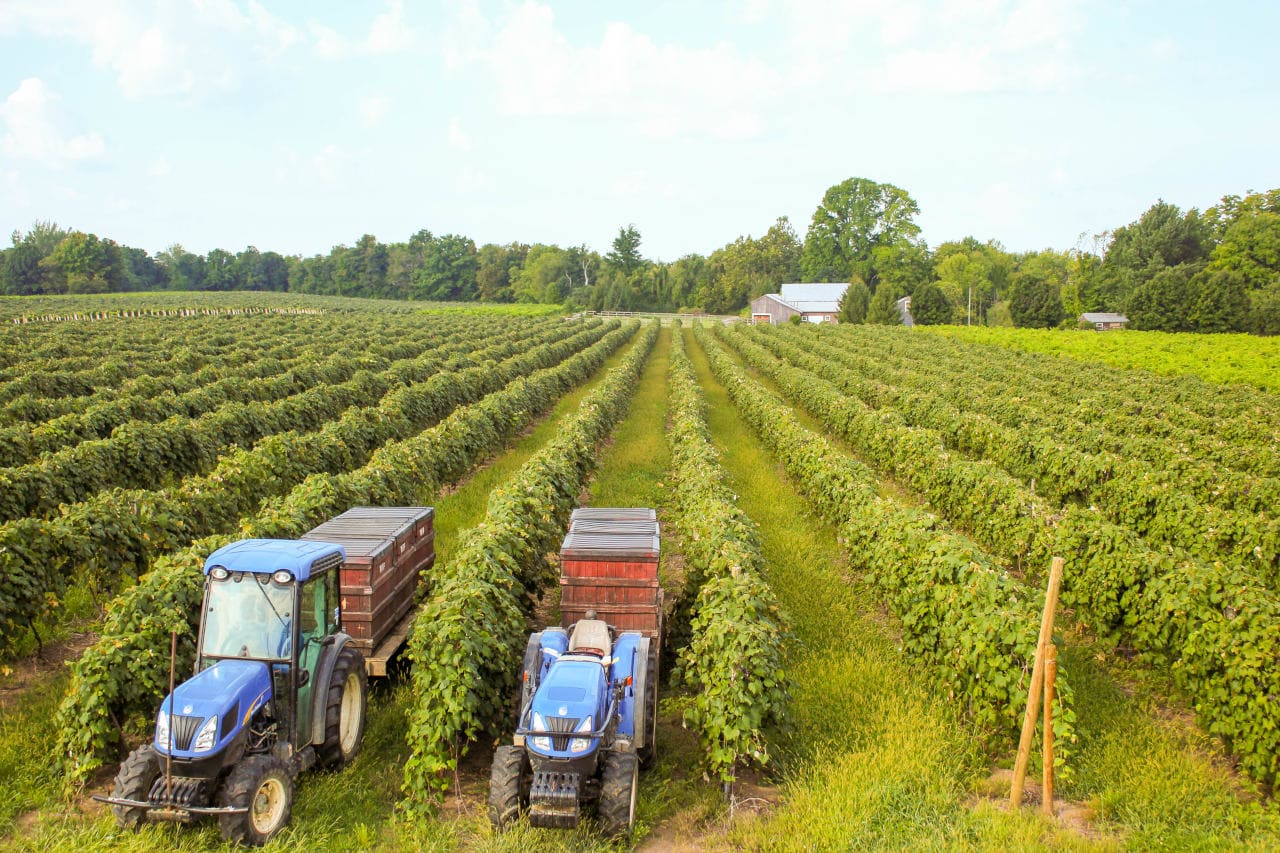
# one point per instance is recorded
(609, 564)
(387, 549)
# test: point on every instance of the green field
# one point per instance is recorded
(857, 525)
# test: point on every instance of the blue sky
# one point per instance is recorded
(296, 126)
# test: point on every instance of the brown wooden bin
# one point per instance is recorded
(624, 617)
(387, 549)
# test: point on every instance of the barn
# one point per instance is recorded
(812, 302)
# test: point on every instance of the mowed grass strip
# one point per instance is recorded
(872, 758)
(352, 809)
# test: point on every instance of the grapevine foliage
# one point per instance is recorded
(733, 661)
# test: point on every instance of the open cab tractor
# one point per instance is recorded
(278, 688)
(587, 720)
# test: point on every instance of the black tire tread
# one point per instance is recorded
(133, 782)
(238, 790)
(330, 752)
(614, 808)
(504, 786)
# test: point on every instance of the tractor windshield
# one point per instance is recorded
(248, 615)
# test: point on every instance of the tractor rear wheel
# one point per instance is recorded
(137, 774)
(262, 786)
(618, 788)
(649, 752)
(345, 709)
(508, 794)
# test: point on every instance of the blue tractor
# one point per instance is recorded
(586, 725)
(278, 689)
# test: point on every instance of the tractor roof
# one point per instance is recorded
(265, 556)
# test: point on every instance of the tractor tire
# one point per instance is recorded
(344, 712)
(508, 786)
(137, 774)
(262, 785)
(649, 752)
(529, 672)
(619, 785)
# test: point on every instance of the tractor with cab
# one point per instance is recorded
(279, 688)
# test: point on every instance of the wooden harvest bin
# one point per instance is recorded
(609, 564)
(387, 549)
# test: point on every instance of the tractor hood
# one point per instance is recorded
(573, 696)
(205, 713)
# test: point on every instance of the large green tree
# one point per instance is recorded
(854, 218)
(855, 302)
(1164, 302)
(883, 309)
(929, 305)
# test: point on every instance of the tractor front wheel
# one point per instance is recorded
(137, 774)
(345, 708)
(618, 788)
(507, 786)
(262, 786)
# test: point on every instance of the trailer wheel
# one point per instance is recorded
(649, 752)
(344, 710)
(508, 788)
(262, 786)
(137, 774)
(618, 787)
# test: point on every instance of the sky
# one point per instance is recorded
(297, 126)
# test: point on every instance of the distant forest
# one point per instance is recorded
(1170, 270)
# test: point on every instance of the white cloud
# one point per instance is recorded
(160, 168)
(1163, 49)
(946, 46)
(327, 163)
(373, 109)
(159, 48)
(458, 138)
(660, 89)
(388, 33)
(34, 132)
(472, 179)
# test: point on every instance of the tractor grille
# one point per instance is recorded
(183, 729)
(557, 725)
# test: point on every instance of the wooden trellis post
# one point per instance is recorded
(1038, 686)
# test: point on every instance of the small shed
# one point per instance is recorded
(1104, 321)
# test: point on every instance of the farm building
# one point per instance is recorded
(813, 303)
(1103, 321)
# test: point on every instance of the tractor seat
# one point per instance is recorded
(590, 636)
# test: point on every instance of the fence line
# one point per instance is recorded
(156, 312)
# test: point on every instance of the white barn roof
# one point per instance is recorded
(811, 298)
(1103, 317)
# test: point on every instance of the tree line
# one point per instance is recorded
(1171, 270)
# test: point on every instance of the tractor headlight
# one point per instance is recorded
(205, 737)
(581, 744)
(538, 724)
(162, 730)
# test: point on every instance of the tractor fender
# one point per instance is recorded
(320, 693)
(630, 662)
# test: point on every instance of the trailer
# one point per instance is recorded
(388, 549)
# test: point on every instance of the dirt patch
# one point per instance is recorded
(1073, 817)
(40, 667)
